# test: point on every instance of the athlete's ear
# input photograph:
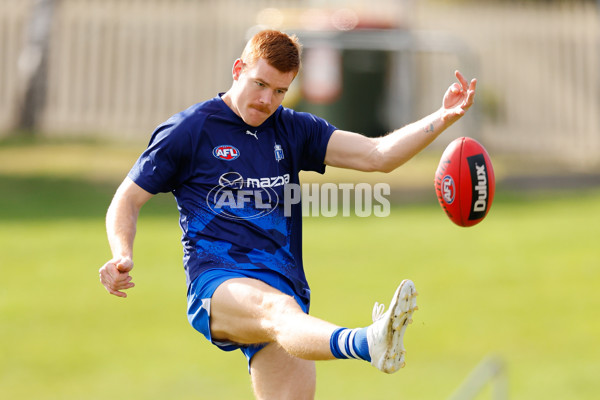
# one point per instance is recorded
(238, 67)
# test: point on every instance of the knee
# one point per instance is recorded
(278, 305)
(277, 311)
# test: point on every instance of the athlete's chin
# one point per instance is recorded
(254, 124)
(256, 118)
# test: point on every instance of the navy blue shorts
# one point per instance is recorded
(203, 287)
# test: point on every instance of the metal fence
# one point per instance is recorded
(119, 67)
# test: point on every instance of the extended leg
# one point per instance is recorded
(248, 311)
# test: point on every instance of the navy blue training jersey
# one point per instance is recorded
(228, 179)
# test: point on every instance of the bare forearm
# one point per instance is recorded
(383, 154)
(121, 223)
(122, 216)
(403, 144)
(351, 150)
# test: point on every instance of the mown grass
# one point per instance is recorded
(521, 285)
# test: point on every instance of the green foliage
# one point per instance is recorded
(521, 285)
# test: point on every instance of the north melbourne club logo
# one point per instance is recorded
(226, 152)
(278, 152)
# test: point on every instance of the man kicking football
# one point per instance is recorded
(246, 284)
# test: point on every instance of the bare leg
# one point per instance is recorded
(248, 311)
(277, 375)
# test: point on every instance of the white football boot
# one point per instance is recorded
(385, 336)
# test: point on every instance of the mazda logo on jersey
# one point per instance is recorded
(238, 198)
(232, 180)
(226, 152)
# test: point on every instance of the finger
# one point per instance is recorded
(470, 97)
(124, 265)
(118, 271)
(114, 281)
(109, 269)
(471, 94)
(116, 293)
(463, 82)
(121, 283)
(473, 84)
(107, 283)
(456, 88)
(116, 289)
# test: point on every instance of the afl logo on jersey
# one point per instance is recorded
(226, 152)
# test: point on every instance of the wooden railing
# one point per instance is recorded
(120, 67)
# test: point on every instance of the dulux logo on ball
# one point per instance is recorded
(479, 179)
(226, 152)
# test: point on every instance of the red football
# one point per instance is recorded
(465, 182)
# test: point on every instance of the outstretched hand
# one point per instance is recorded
(115, 277)
(458, 98)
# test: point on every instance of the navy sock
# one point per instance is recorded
(350, 343)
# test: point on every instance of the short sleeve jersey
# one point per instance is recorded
(229, 180)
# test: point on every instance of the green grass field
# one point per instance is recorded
(523, 285)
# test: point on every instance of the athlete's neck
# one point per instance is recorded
(226, 97)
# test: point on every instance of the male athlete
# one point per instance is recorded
(243, 261)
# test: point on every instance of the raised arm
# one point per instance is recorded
(355, 151)
(121, 222)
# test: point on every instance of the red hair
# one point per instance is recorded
(279, 49)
